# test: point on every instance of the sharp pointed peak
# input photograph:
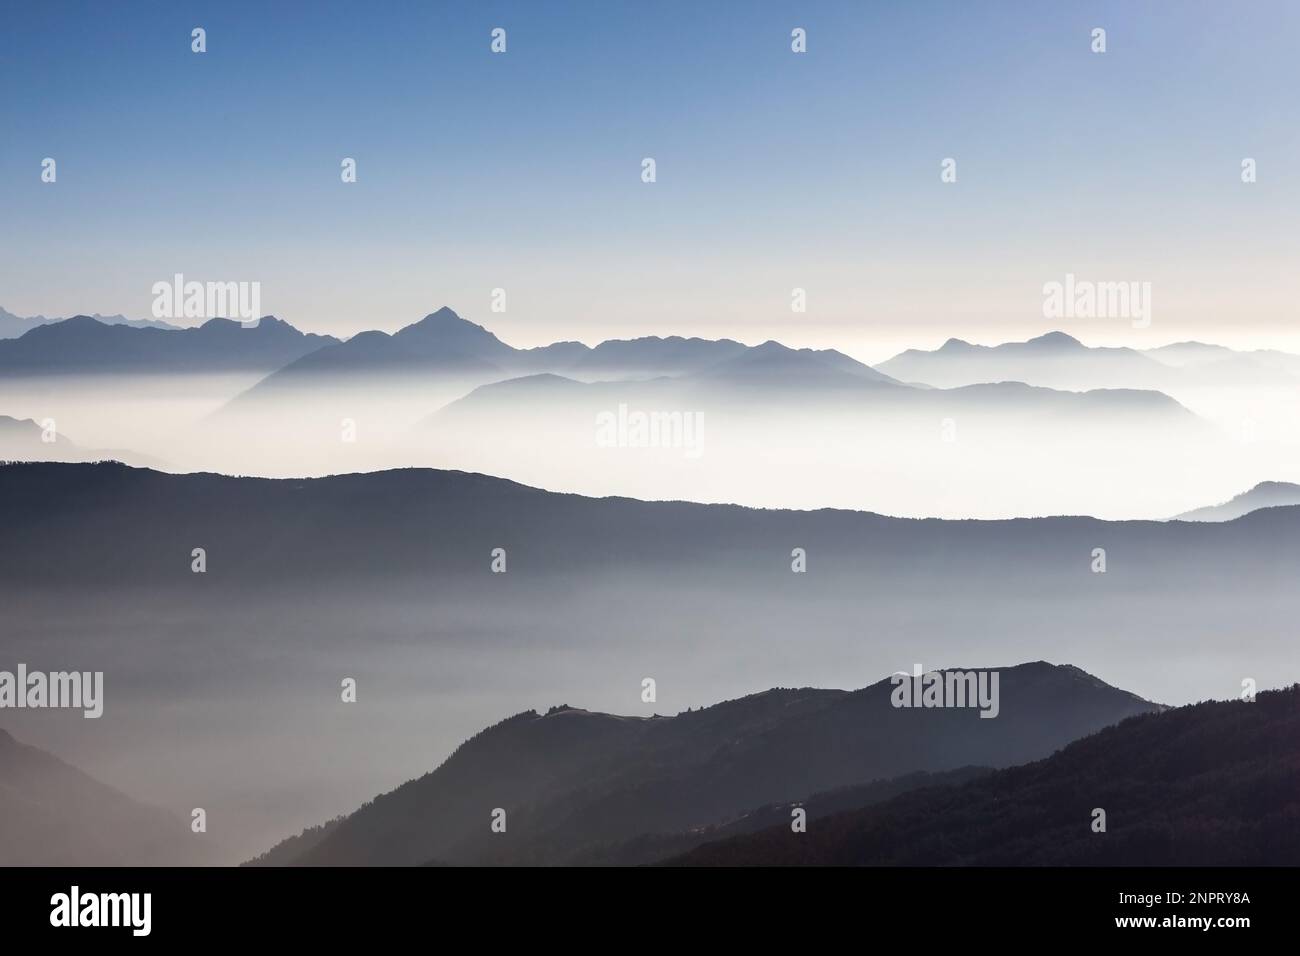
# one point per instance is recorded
(444, 318)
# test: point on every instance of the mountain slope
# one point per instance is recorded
(52, 814)
(1211, 784)
(572, 779)
(654, 847)
(1266, 494)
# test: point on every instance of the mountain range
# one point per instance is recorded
(575, 783)
(1210, 784)
(1058, 360)
(12, 326)
(83, 345)
(782, 426)
(289, 529)
(443, 343)
(1266, 494)
(443, 356)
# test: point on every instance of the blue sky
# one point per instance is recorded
(775, 170)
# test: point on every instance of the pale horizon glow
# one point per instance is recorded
(775, 170)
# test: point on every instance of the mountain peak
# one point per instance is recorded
(1056, 340)
(954, 344)
(266, 325)
(443, 321)
(1275, 486)
(446, 333)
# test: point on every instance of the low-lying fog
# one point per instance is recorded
(953, 456)
(237, 709)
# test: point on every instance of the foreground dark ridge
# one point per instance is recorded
(576, 785)
(1210, 784)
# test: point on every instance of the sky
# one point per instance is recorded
(775, 170)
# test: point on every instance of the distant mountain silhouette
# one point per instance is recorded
(572, 780)
(12, 326)
(652, 356)
(444, 345)
(22, 439)
(1219, 365)
(287, 530)
(1190, 353)
(1266, 494)
(440, 343)
(787, 380)
(84, 345)
(1058, 360)
(773, 364)
(1054, 360)
(1212, 784)
(52, 814)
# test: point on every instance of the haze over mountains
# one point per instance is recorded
(1251, 397)
(52, 814)
(680, 397)
(26, 440)
(223, 688)
(784, 428)
(1267, 494)
(574, 782)
(1058, 360)
(771, 426)
(383, 572)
